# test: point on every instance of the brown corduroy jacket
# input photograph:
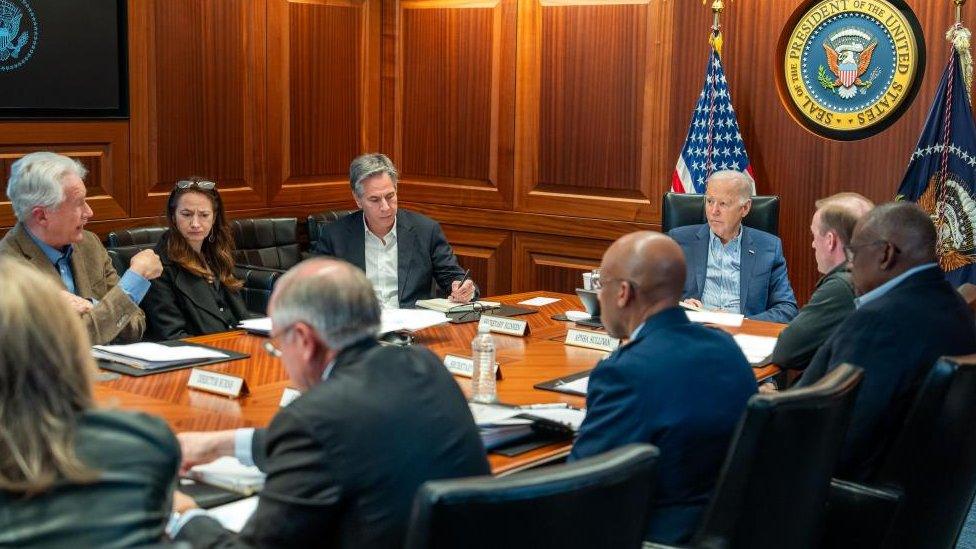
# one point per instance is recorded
(115, 315)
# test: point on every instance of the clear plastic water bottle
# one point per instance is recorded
(483, 375)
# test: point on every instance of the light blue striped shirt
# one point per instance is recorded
(721, 289)
(890, 285)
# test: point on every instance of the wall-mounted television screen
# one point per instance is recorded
(63, 59)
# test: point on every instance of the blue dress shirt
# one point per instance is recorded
(721, 289)
(890, 285)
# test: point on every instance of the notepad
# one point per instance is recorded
(410, 320)
(756, 348)
(539, 301)
(150, 356)
(732, 320)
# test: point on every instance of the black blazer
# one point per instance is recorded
(423, 253)
(137, 458)
(896, 338)
(345, 459)
(180, 304)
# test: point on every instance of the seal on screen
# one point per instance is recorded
(19, 32)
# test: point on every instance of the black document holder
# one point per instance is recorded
(138, 372)
(556, 384)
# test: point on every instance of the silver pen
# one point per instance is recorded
(544, 406)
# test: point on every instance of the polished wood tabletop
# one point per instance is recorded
(539, 356)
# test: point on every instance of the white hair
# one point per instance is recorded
(37, 180)
(743, 187)
(339, 304)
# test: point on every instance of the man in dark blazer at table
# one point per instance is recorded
(345, 459)
(732, 267)
(907, 316)
(677, 385)
(403, 253)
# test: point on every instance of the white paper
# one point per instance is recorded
(539, 301)
(579, 385)
(487, 414)
(259, 325)
(566, 416)
(732, 320)
(229, 467)
(411, 320)
(154, 352)
(233, 516)
(756, 348)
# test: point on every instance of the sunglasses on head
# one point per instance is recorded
(203, 185)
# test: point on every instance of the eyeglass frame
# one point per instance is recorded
(598, 282)
(850, 250)
(203, 185)
(476, 309)
(273, 349)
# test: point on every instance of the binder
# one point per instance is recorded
(557, 384)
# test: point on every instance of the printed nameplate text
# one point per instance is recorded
(461, 366)
(288, 396)
(591, 340)
(222, 384)
(504, 325)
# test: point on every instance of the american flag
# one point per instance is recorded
(714, 142)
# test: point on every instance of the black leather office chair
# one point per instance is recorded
(924, 487)
(258, 285)
(680, 209)
(270, 243)
(122, 244)
(596, 502)
(776, 479)
(317, 222)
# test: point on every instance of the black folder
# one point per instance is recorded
(557, 384)
(138, 372)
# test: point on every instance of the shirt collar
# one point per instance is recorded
(890, 285)
(53, 254)
(735, 241)
(393, 231)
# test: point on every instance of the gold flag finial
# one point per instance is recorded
(960, 38)
(715, 39)
(959, 4)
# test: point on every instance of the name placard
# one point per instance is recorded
(591, 340)
(461, 366)
(288, 396)
(221, 384)
(505, 325)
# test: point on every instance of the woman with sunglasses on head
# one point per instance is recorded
(197, 292)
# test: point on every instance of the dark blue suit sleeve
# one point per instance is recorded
(613, 416)
(781, 301)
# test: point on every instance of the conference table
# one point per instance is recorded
(540, 355)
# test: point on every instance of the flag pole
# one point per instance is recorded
(959, 5)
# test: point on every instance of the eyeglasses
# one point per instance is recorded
(600, 281)
(469, 315)
(851, 249)
(273, 346)
(203, 185)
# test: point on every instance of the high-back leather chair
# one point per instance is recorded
(317, 222)
(776, 478)
(680, 209)
(600, 501)
(122, 244)
(922, 491)
(266, 242)
(258, 285)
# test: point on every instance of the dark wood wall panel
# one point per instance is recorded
(590, 138)
(325, 108)
(487, 252)
(552, 263)
(323, 91)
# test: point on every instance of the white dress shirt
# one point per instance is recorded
(381, 265)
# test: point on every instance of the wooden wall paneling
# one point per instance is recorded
(102, 147)
(554, 264)
(488, 253)
(197, 74)
(787, 159)
(593, 102)
(451, 82)
(323, 89)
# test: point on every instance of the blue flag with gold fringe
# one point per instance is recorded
(942, 172)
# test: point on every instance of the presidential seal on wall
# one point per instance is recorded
(18, 33)
(851, 67)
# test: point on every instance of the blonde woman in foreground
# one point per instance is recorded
(70, 473)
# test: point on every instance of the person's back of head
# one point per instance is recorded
(908, 228)
(840, 213)
(45, 369)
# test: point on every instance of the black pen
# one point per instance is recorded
(463, 278)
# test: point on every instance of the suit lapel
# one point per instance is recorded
(357, 240)
(405, 247)
(747, 263)
(701, 255)
(34, 255)
(195, 289)
(83, 284)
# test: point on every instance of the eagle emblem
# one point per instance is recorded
(849, 54)
(11, 39)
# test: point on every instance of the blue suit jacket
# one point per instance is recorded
(764, 287)
(896, 338)
(681, 387)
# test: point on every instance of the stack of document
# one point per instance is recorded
(498, 425)
(229, 474)
(568, 417)
(756, 348)
(732, 320)
(151, 356)
(392, 320)
(447, 306)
